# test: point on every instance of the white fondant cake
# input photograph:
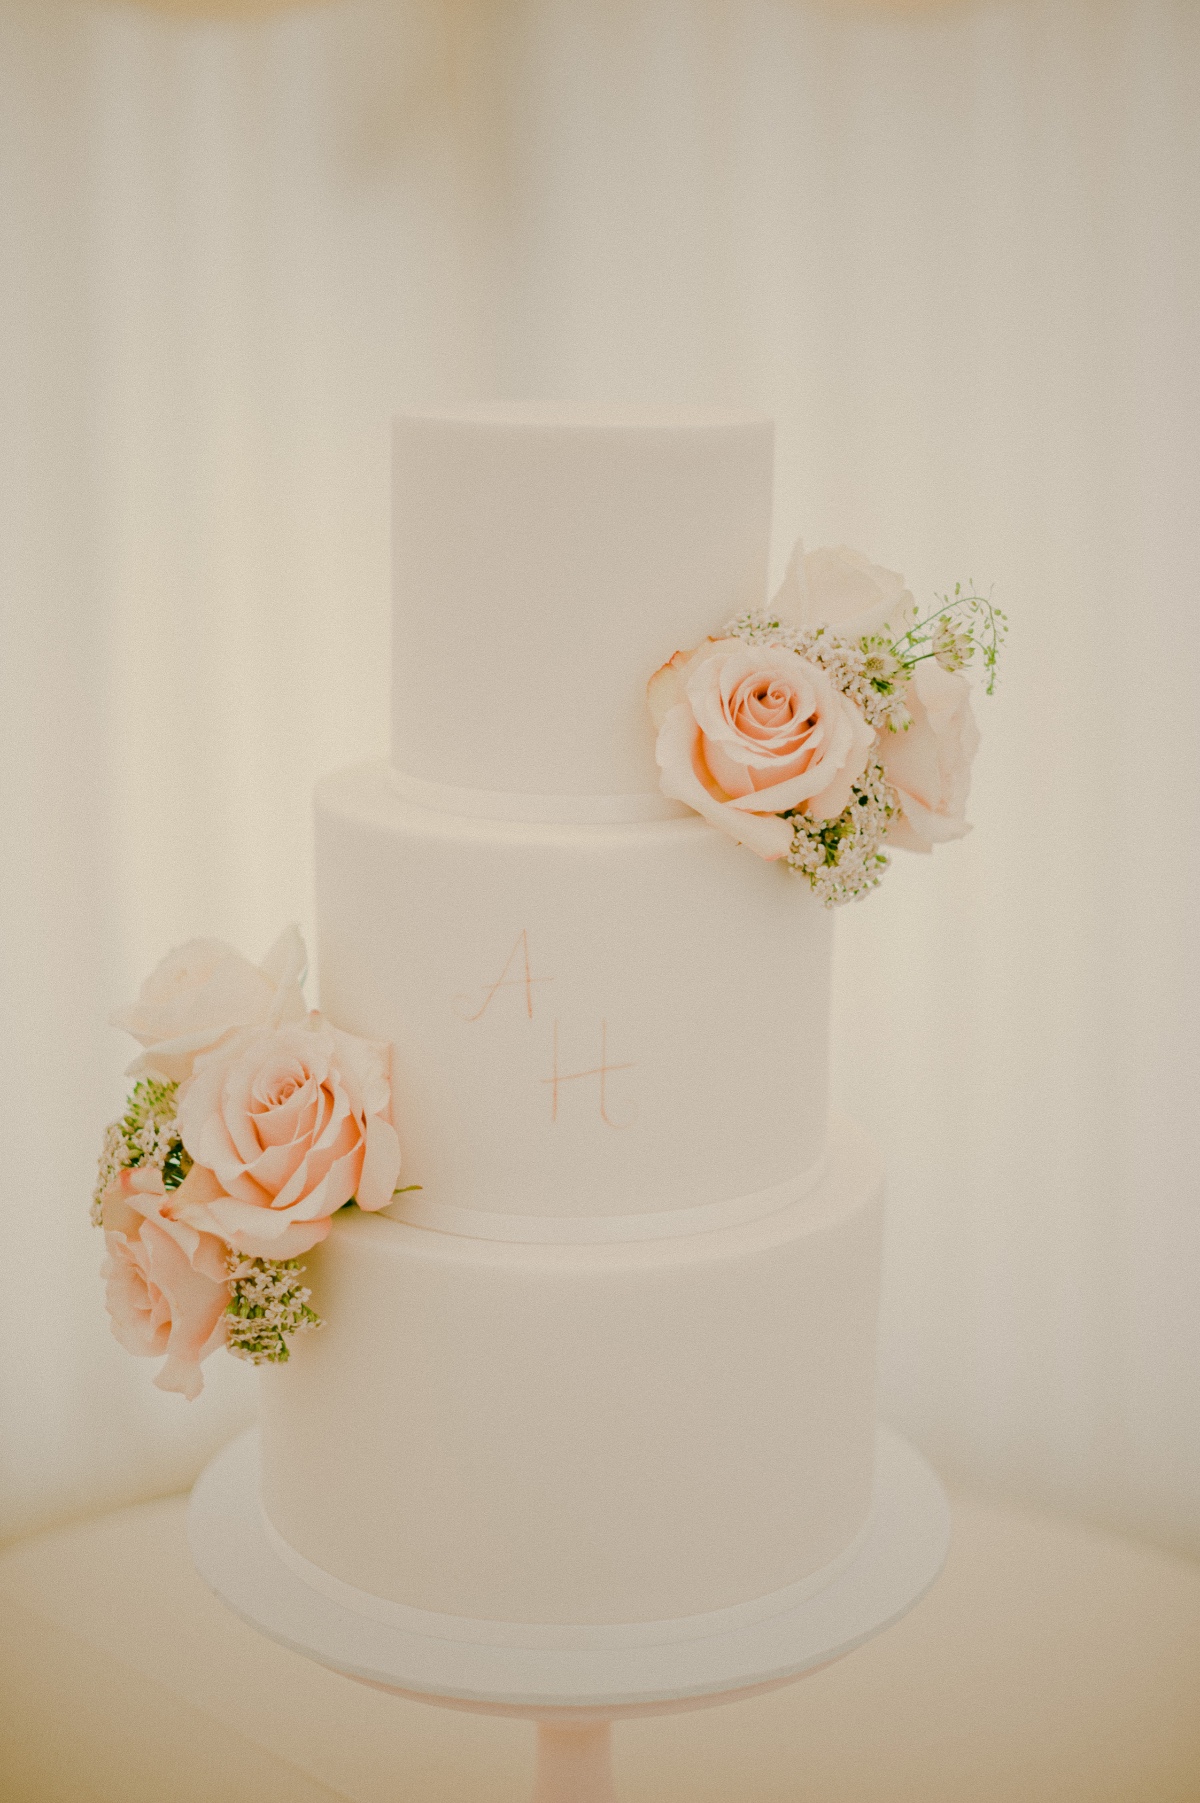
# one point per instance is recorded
(613, 1363)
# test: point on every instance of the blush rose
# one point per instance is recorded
(929, 763)
(747, 732)
(166, 1282)
(285, 1126)
(205, 989)
(841, 589)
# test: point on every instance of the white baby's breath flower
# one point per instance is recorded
(267, 1305)
(113, 1160)
(145, 1135)
(844, 859)
(868, 671)
(758, 627)
(953, 645)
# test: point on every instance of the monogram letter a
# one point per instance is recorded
(524, 979)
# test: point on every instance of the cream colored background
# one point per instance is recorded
(957, 256)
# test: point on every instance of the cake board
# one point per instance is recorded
(573, 1694)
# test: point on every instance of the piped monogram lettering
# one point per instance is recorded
(601, 1072)
(524, 980)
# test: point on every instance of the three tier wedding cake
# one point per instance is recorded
(598, 1340)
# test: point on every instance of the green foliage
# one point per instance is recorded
(267, 1305)
(844, 858)
(964, 623)
(144, 1135)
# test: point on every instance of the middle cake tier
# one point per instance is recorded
(592, 1027)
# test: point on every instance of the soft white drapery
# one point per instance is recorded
(957, 257)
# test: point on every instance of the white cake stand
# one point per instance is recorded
(574, 1695)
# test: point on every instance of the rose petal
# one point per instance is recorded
(730, 776)
(665, 688)
(929, 764)
(285, 967)
(365, 1067)
(928, 825)
(678, 752)
(381, 1165)
(282, 1119)
(900, 833)
(167, 1288)
(840, 762)
(297, 1117)
(197, 995)
(842, 589)
(259, 1232)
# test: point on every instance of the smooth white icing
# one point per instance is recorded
(566, 810)
(545, 564)
(692, 973)
(584, 1434)
(610, 1371)
(590, 1230)
(603, 1636)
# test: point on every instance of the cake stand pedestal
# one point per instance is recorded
(573, 1692)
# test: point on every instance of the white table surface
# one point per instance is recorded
(1051, 1663)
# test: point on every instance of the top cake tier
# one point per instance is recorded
(545, 563)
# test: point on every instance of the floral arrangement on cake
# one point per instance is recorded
(826, 742)
(252, 1121)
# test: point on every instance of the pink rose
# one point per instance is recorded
(203, 990)
(167, 1284)
(748, 731)
(841, 589)
(929, 764)
(285, 1125)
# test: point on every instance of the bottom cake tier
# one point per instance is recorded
(584, 1434)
